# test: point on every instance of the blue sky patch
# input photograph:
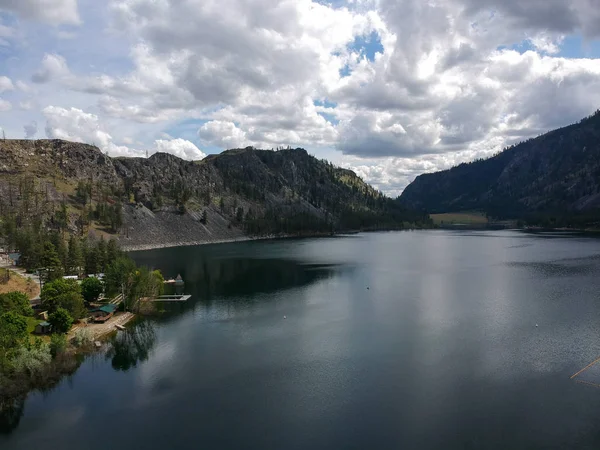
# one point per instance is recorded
(329, 105)
(576, 47)
(367, 46)
(345, 71)
(571, 47)
(325, 103)
(329, 118)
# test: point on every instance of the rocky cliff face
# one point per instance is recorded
(164, 200)
(556, 172)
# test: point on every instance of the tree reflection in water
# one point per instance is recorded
(132, 346)
(11, 411)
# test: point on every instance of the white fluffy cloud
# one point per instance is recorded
(392, 89)
(30, 129)
(53, 67)
(5, 84)
(55, 12)
(180, 147)
(76, 125)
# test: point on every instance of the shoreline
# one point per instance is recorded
(144, 247)
(99, 331)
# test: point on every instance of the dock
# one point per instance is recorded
(171, 298)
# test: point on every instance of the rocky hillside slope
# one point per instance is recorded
(557, 173)
(164, 200)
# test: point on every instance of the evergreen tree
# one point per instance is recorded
(204, 218)
(112, 252)
(101, 254)
(61, 250)
(75, 256)
(91, 260)
(51, 262)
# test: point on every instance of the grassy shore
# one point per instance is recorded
(464, 218)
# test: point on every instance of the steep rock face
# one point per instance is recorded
(56, 157)
(165, 200)
(558, 171)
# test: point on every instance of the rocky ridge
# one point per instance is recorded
(166, 201)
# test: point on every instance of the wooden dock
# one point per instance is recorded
(171, 298)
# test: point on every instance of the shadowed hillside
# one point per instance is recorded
(554, 175)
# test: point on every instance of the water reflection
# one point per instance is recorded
(246, 277)
(235, 279)
(11, 411)
(132, 346)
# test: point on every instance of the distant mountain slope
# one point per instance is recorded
(558, 172)
(164, 200)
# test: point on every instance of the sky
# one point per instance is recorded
(389, 88)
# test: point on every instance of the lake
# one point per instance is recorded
(407, 340)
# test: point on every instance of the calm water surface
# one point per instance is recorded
(411, 340)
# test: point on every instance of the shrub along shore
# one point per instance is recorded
(38, 361)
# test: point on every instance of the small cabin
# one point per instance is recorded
(43, 328)
(102, 314)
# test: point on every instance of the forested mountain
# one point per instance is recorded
(555, 175)
(164, 200)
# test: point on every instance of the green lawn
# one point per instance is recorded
(459, 218)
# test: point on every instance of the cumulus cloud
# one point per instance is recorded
(5, 84)
(181, 148)
(222, 134)
(55, 12)
(31, 129)
(75, 125)
(53, 67)
(5, 105)
(398, 88)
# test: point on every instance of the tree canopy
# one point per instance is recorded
(60, 320)
(16, 302)
(13, 330)
(63, 294)
(91, 288)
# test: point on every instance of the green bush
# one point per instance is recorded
(13, 331)
(61, 321)
(16, 302)
(82, 337)
(32, 359)
(58, 344)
